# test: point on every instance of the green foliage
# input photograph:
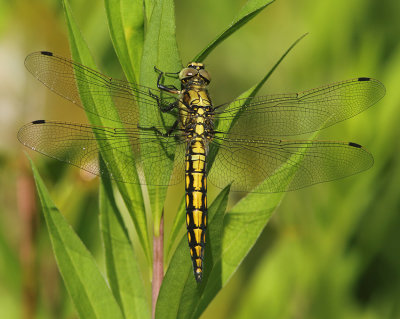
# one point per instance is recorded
(160, 50)
(180, 296)
(121, 262)
(248, 12)
(83, 279)
(126, 25)
(323, 253)
(131, 193)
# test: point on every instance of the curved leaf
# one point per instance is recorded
(248, 12)
(224, 126)
(121, 263)
(180, 292)
(160, 50)
(126, 25)
(83, 280)
(131, 193)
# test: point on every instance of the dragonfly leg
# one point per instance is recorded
(157, 131)
(172, 74)
(167, 88)
(162, 106)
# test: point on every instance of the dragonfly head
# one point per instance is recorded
(194, 74)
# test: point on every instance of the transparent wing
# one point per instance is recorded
(76, 144)
(62, 75)
(278, 165)
(305, 112)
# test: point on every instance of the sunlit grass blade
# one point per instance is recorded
(131, 193)
(248, 12)
(126, 25)
(121, 262)
(179, 292)
(82, 277)
(160, 50)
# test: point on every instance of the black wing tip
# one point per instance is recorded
(364, 79)
(46, 53)
(39, 122)
(355, 145)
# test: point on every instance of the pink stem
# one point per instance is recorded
(27, 212)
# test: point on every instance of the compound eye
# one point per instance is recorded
(187, 73)
(205, 75)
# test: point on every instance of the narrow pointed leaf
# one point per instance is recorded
(250, 93)
(193, 304)
(225, 126)
(248, 12)
(148, 6)
(131, 193)
(121, 262)
(83, 280)
(160, 50)
(126, 25)
(179, 291)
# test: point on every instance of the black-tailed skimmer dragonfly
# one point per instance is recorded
(245, 141)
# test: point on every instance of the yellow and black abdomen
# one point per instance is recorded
(196, 118)
(196, 202)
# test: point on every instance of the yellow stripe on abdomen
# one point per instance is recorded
(196, 203)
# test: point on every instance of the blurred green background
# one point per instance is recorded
(330, 251)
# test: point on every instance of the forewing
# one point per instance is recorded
(274, 165)
(305, 112)
(61, 76)
(79, 145)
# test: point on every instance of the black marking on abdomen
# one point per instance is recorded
(196, 204)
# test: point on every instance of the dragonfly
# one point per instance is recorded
(245, 143)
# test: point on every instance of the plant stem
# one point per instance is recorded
(158, 260)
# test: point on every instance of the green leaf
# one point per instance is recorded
(83, 280)
(148, 6)
(126, 24)
(179, 221)
(121, 262)
(160, 50)
(131, 193)
(179, 292)
(248, 12)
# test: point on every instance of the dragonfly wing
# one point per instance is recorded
(62, 75)
(275, 165)
(305, 112)
(80, 144)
